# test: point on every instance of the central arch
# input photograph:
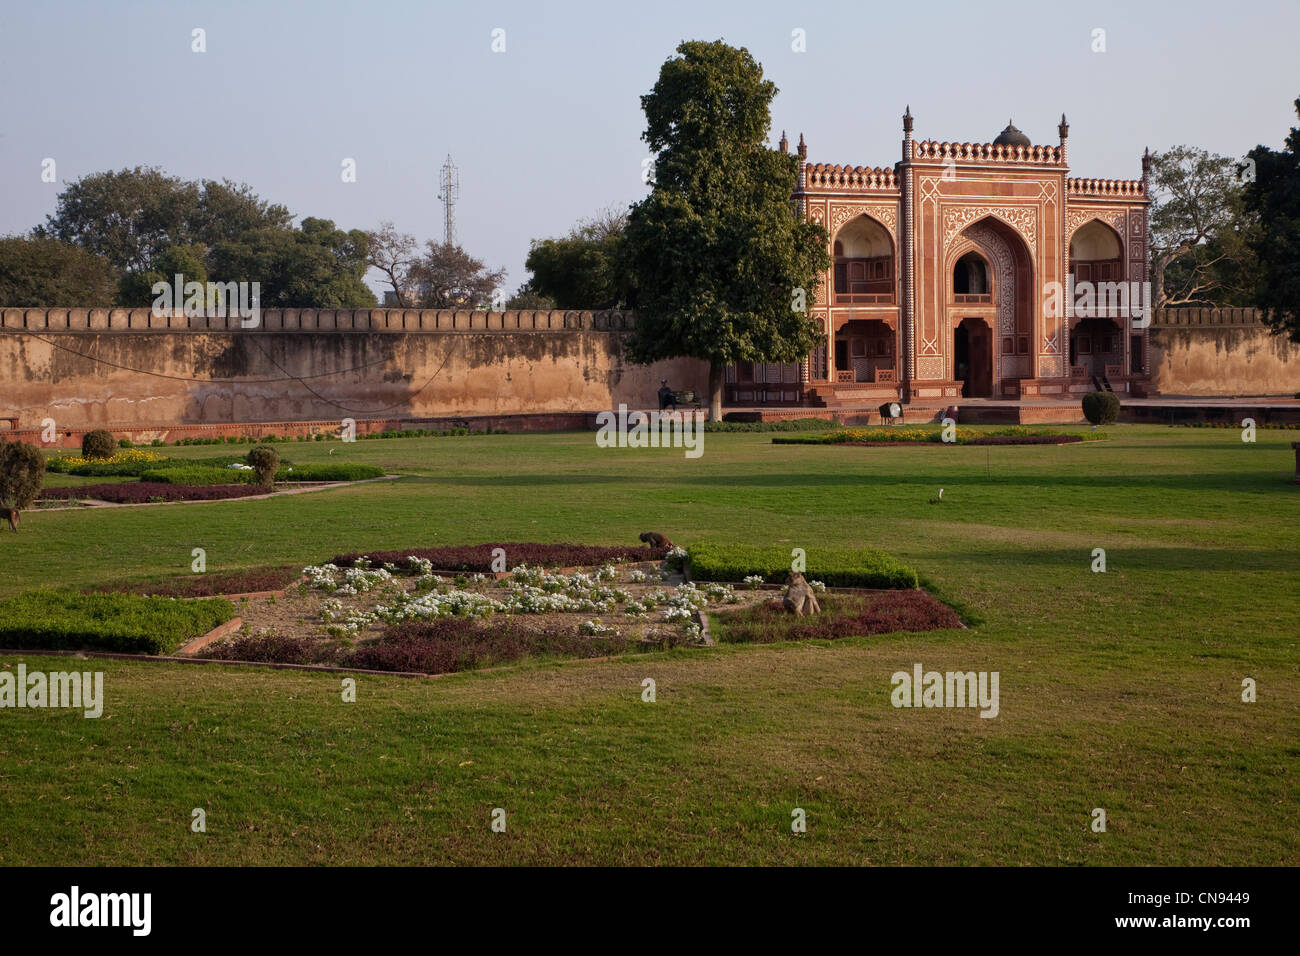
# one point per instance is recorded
(989, 299)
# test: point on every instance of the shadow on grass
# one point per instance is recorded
(1136, 560)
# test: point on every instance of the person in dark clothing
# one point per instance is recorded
(666, 396)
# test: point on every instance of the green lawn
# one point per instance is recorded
(1118, 690)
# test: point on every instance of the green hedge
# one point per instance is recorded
(341, 471)
(787, 425)
(198, 475)
(121, 623)
(835, 567)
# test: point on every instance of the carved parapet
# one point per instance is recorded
(987, 153)
(1109, 188)
(860, 178)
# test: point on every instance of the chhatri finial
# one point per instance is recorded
(803, 149)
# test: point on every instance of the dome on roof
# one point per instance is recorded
(1011, 137)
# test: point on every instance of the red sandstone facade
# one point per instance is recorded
(943, 274)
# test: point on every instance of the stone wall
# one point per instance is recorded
(1220, 352)
(127, 367)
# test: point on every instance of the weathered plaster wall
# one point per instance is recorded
(88, 370)
(1221, 352)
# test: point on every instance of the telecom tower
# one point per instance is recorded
(449, 181)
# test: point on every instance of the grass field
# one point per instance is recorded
(1119, 690)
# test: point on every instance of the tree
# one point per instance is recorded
(716, 254)
(393, 253)
(132, 217)
(448, 277)
(135, 289)
(580, 270)
(1274, 197)
(36, 273)
(1199, 228)
(318, 266)
(22, 472)
(528, 299)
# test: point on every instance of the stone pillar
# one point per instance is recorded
(907, 368)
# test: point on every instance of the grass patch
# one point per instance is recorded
(834, 567)
(120, 623)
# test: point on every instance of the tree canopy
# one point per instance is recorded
(1200, 231)
(720, 265)
(580, 270)
(1274, 197)
(36, 273)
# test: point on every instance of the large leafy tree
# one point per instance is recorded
(1274, 196)
(580, 270)
(716, 256)
(318, 266)
(1200, 230)
(49, 273)
(132, 217)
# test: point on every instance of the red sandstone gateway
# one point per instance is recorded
(940, 265)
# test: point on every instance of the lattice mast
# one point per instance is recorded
(449, 192)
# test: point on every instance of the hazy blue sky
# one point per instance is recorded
(548, 131)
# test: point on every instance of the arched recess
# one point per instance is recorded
(1007, 309)
(1096, 253)
(864, 271)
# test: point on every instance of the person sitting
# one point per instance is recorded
(666, 396)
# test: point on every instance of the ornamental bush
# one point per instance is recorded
(1101, 408)
(22, 472)
(98, 444)
(266, 462)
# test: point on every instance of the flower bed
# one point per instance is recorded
(843, 615)
(121, 623)
(478, 557)
(138, 492)
(209, 584)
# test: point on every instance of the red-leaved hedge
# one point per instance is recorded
(208, 584)
(137, 492)
(842, 615)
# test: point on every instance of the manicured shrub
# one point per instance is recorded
(788, 425)
(836, 567)
(272, 649)
(97, 444)
(265, 461)
(121, 623)
(933, 434)
(183, 474)
(124, 443)
(478, 557)
(343, 471)
(213, 583)
(1101, 408)
(137, 492)
(22, 472)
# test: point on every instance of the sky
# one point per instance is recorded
(547, 130)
